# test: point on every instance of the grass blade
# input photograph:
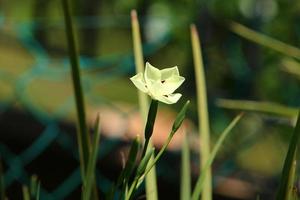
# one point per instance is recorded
(82, 133)
(256, 106)
(26, 193)
(185, 183)
(288, 163)
(200, 182)
(264, 40)
(151, 187)
(124, 177)
(90, 174)
(38, 189)
(291, 181)
(203, 118)
(291, 66)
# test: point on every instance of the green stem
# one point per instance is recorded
(82, 134)
(150, 124)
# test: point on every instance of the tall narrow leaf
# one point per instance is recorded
(256, 106)
(201, 180)
(151, 187)
(82, 133)
(185, 183)
(290, 187)
(90, 173)
(264, 40)
(288, 163)
(203, 118)
(26, 193)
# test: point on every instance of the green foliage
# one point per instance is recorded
(89, 178)
(201, 179)
(287, 176)
(185, 182)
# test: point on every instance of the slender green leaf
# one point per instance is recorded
(151, 187)
(288, 163)
(128, 169)
(82, 133)
(291, 66)
(256, 106)
(38, 191)
(130, 164)
(185, 183)
(264, 40)
(144, 162)
(33, 185)
(200, 181)
(203, 117)
(291, 180)
(139, 172)
(89, 180)
(26, 193)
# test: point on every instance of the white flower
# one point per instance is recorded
(159, 84)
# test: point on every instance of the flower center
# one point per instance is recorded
(163, 81)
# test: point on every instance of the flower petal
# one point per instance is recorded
(169, 99)
(151, 73)
(155, 89)
(168, 72)
(139, 82)
(171, 84)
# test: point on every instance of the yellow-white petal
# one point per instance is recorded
(139, 82)
(152, 74)
(171, 84)
(168, 72)
(169, 99)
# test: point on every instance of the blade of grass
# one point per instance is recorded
(264, 40)
(151, 187)
(25, 191)
(33, 185)
(288, 163)
(201, 179)
(185, 183)
(89, 180)
(256, 106)
(203, 117)
(140, 169)
(82, 133)
(38, 191)
(291, 66)
(291, 181)
(128, 169)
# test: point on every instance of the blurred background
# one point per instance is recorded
(37, 110)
